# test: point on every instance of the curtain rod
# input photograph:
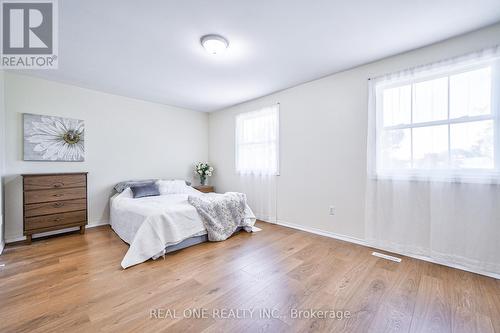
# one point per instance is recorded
(493, 51)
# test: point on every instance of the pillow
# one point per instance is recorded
(127, 193)
(128, 183)
(148, 190)
(172, 186)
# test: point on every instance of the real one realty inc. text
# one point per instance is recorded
(251, 313)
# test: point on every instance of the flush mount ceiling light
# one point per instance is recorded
(214, 44)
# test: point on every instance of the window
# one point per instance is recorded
(257, 141)
(439, 122)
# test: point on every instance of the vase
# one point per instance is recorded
(203, 180)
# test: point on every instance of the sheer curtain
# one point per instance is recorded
(433, 152)
(257, 159)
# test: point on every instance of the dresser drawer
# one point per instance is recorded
(54, 182)
(54, 220)
(54, 207)
(40, 196)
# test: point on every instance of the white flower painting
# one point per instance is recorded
(48, 138)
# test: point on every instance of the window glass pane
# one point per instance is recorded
(431, 100)
(258, 129)
(472, 145)
(397, 105)
(257, 141)
(430, 147)
(252, 132)
(470, 93)
(257, 158)
(395, 146)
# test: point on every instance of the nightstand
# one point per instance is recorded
(204, 188)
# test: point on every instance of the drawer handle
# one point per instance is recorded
(58, 204)
(58, 184)
(57, 219)
(58, 195)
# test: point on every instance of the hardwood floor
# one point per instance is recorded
(74, 283)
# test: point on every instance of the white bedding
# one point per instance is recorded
(152, 223)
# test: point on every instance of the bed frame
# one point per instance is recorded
(192, 241)
(187, 243)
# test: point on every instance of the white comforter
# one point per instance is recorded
(152, 223)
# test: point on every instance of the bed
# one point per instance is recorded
(156, 225)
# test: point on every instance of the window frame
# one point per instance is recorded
(237, 144)
(417, 173)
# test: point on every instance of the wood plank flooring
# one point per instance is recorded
(74, 283)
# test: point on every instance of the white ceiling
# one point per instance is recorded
(150, 49)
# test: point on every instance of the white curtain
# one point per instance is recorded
(257, 159)
(261, 195)
(428, 206)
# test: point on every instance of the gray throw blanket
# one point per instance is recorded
(222, 214)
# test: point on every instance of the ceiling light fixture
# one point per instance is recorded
(214, 44)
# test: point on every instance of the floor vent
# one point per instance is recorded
(385, 256)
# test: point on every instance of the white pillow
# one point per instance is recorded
(126, 193)
(172, 186)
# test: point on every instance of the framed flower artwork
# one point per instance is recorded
(49, 138)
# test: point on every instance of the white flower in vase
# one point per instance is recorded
(204, 170)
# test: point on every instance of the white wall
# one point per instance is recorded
(124, 139)
(2, 154)
(323, 139)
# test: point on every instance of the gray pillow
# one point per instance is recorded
(149, 190)
(120, 187)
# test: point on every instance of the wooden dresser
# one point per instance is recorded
(54, 201)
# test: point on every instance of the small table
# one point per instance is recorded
(204, 188)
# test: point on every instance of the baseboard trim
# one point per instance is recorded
(324, 233)
(265, 218)
(97, 224)
(17, 239)
(11, 240)
(363, 242)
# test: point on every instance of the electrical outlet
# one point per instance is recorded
(332, 210)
